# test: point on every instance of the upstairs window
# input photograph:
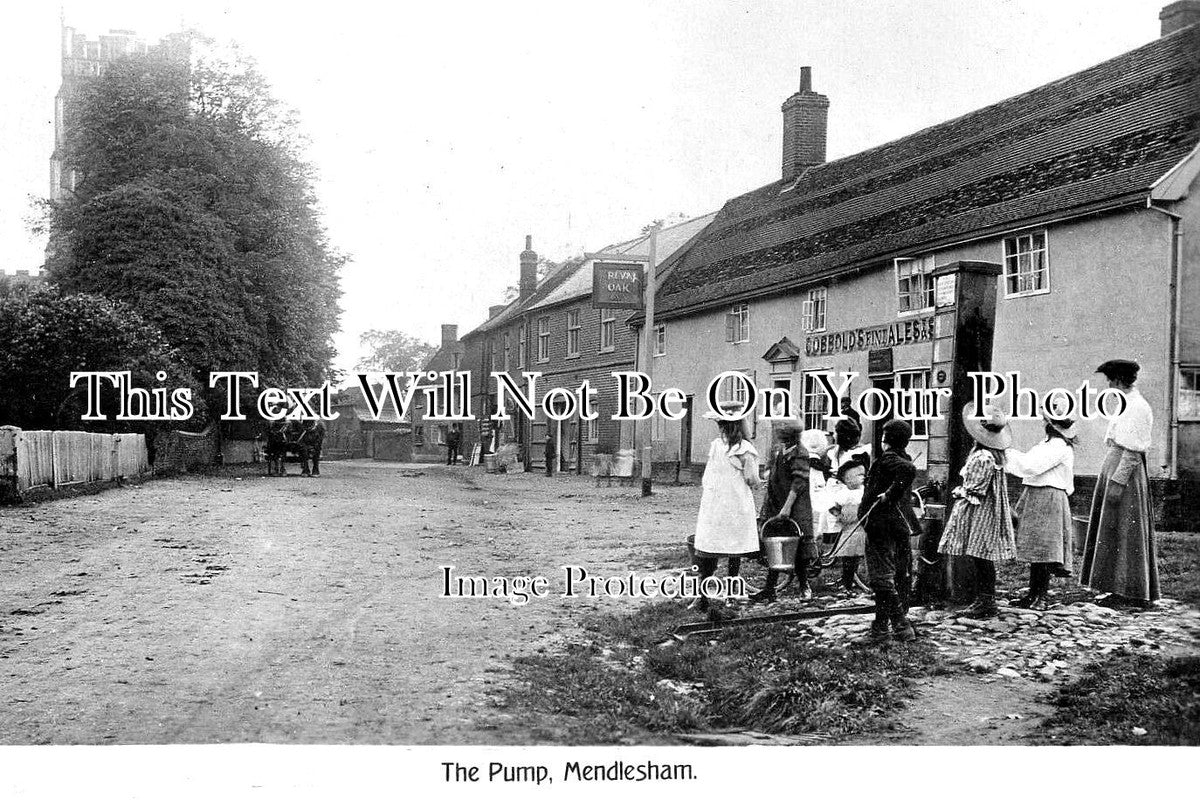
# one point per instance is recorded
(495, 355)
(660, 339)
(608, 330)
(914, 284)
(543, 342)
(737, 324)
(522, 344)
(1026, 267)
(507, 352)
(813, 311)
(572, 333)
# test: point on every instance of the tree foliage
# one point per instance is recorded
(173, 263)
(393, 351)
(49, 335)
(674, 218)
(194, 205)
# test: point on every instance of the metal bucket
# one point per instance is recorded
(491, 463)
(780, 540)
(780, 552)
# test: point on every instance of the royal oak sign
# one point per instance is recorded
(616, 285)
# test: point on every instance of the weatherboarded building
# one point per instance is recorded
(1074, 206)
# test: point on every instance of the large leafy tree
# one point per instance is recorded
(194, 204)
(393, 351)
(48, 335)
(173, 263)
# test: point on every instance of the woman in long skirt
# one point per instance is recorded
(726, 526)
(1045, 531)
(980, 523)
(1119, 554)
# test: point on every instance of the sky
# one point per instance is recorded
(442, 134)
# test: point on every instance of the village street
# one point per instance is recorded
(241, 608)
(227, 609)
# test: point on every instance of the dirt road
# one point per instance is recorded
(223, 609)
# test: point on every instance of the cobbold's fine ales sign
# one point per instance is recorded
(909, 331)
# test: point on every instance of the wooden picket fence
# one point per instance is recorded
(55, 459)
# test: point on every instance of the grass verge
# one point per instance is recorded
(1132, 699)
(626, 686)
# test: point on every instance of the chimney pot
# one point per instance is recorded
(1178, 16)
(805, 125)
(529, 261)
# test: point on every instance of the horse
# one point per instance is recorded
(284, 438)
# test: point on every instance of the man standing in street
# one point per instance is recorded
(453, 442)
(551, 454)
(890, 521)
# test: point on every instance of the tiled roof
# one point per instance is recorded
(579, 283)
(1094, 138)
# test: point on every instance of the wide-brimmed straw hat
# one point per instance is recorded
(725, 405)
(1064, 425)
(730, 405)
(991, 431)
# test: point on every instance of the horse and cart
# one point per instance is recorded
(301, 439)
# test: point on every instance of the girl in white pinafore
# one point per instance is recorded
(727, 525)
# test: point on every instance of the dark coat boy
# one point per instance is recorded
(788, 496)
(890, 522)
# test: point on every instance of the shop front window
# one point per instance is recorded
(917, 379)
(816, 403)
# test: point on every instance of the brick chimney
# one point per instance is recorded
(805, 121)
(449, 334)
(529, 262)
(1179, 15)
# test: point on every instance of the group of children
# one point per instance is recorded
(838, 496)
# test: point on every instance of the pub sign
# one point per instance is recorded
(616, 285)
